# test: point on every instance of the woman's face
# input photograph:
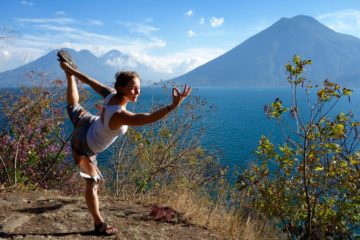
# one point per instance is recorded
(132, 90)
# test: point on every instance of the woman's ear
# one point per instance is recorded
(119, 90)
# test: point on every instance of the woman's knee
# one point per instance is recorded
(91, 186)
(87, 166)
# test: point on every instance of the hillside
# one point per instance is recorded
(259, 61)
(50, 215)
(102, 68)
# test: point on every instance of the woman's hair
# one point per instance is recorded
(123, 78)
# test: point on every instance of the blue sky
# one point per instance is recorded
(162, 34)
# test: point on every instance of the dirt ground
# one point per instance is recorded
(50, 215)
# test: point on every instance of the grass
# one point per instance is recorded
(231, 222)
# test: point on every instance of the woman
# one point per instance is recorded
(93, 134)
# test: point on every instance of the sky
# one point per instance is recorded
(165, 35)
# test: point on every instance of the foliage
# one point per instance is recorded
(165, 163)
(165, 153)
(33, 147)
(309, 184)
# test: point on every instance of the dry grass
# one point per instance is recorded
(230, 222)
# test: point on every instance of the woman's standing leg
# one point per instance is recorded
(91, 196)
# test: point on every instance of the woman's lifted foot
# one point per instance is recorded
(64, 56)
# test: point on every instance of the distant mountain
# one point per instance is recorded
(259, 61)
(102, 68)
(48, 64)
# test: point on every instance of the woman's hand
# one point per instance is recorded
(65, 66)
(178, 97)
(68, 69)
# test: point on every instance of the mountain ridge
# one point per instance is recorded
(259, 60)
(102, 68)
(256, 62)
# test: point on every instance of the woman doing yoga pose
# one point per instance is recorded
(93, 134)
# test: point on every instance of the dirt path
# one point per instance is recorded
(50, 215)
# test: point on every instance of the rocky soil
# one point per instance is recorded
(50, 215)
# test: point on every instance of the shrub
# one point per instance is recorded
(165, 153)
(33, 136)
(309, 184)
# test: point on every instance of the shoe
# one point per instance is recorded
(64, 56)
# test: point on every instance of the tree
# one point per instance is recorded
(309, 184)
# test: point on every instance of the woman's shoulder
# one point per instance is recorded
(108, 97)
(111, 94)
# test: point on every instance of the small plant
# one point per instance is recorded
(309, 185)
(33, 137)
(165, 153)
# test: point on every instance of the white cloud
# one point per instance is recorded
(60, 13)
(345, 21)
(95, 22)
(157, 43)
(189, 13)
(14, 57)
(180, 62)
(53, 33)
(202, 21)
(216, 22)
(30, 48)
(191, 34)
(46, 20)
(28, 3)
(122, 62)
(139, 27)
(146, 29)
(5, 54)
(36, 45)
(341, 14)
(63, 29)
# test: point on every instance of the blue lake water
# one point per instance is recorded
(238, 121)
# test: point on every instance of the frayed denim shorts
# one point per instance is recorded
(82, 120)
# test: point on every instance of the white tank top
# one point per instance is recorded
(100, 136)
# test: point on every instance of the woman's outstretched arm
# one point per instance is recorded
(137, 119)
(98, 87)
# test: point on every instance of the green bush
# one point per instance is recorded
(309, 184)
(165, 153)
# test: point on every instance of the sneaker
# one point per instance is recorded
(64, 56)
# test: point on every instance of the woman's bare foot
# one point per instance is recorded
(103, 229)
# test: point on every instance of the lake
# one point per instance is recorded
(238, 121)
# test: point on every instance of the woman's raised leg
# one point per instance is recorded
(72, 94)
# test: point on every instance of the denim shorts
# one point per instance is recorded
(82, 120)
